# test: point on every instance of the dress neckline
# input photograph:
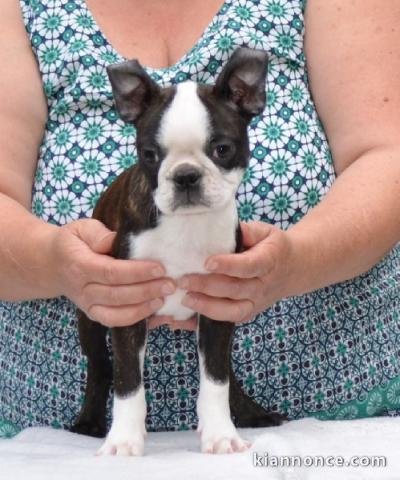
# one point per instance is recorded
(208, 31)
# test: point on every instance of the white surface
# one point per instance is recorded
(44, 453)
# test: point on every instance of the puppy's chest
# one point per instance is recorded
(182, 244)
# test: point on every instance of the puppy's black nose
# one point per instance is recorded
(186, 177)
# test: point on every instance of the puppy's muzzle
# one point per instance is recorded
(187, 178)
(187, 181)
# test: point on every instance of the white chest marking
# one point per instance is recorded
(182, 243)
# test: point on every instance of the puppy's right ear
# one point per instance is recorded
(133, 89)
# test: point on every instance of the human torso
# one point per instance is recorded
(156, 32)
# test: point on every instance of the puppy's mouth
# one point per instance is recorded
(190, 201)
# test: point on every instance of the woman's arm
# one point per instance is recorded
(23, 115)
(353, 55)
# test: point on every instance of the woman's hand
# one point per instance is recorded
(111, 291)
(243, 284)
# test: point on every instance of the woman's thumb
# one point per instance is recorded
(96, 235)
(254, 232)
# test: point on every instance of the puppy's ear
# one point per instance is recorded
(242, 81)
(133, 89)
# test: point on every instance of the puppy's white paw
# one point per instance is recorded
(128, 445)
(222, 439)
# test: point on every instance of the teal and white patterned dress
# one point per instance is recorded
(333, 353)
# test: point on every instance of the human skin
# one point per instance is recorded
(353, 65)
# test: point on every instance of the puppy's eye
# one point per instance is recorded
(223, 151)
(150, 155)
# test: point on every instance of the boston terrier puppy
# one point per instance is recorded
(177, 206)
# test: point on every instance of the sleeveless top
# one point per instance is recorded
(332, 353)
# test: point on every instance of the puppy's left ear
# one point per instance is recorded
(133, 89)
(242, 81)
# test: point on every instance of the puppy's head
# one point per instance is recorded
(191, 138)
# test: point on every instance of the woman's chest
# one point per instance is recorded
(156, 32)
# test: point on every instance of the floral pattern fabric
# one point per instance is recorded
(332, 353)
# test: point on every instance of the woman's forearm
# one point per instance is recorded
(354, 225)
(24, 255)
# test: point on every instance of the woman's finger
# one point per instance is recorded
(217, 285)
(255, 232)
(218, 308)
(113, 295)
(248, 264)
(125, 315)
(110, 271)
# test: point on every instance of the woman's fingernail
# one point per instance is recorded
(211, 265)
(168, 288)
(156, 303)
(183, 283)
(157, 272)
(189, 301)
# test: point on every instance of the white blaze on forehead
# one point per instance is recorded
(185, 123)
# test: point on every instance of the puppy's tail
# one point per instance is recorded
(246, 412)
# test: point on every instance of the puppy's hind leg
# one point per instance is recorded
(248, 413)
(92, 418)
(126, 436)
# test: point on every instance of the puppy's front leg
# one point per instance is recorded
(218, 433)
(126, 436)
